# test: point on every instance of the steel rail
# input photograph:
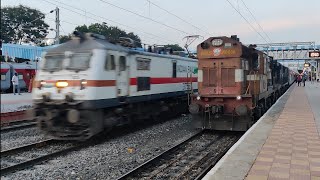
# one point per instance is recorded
(211, 162)
(143, 165)
(18, 125)
(203, 159)
(31, 162)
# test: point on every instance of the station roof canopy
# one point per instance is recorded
(24, 51)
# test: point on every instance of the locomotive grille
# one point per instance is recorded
(209, 77)
(213, 77)
(228, 77)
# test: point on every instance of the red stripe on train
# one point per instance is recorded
(133, 81)
(4, 70)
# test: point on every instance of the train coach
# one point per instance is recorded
(88, 85)
(237, 84)
(24, 70)
(5, 77)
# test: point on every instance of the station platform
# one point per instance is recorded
(12, 103)
(283, 144)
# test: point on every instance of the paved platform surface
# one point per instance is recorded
(11, 102)
(292, 150)
(283, 144)
(313, 93)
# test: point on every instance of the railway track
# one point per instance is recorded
(16, 125)
(191, 159)
(31, 154)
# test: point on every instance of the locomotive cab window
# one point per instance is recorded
(53, 62)
(255, 61)
(110, 64)
(122, 63)
(79, 61)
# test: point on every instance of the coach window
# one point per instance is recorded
(122, 63)
(109, 64)
(3, 77)
(143, 83)
(174, 69)
(20, 76)
(143, 64)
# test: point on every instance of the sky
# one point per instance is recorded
(279, 20)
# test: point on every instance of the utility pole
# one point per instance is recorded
(57, 41)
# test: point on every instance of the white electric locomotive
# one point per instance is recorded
(88, 84)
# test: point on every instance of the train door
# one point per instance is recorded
(30, 73)
(122, 76)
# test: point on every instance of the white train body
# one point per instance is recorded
(94, 76)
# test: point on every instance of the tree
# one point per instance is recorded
(174, 47)
(21, 23)
(112, 33)
(65, 38)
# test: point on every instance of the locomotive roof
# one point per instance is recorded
(93, 43)
(160, 55)
(85, 45)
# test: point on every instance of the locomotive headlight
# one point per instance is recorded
(61, 84)
(238, 98)
(42, 83)
(83, 84)
(198, 98)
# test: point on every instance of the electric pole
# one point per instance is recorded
(57, 41)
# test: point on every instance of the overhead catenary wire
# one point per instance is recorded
(62, 29)
(247, 21)
(145, 17)
(196, 27)
(99, 20)
(256, 20)
(41, 16)
(63, 21)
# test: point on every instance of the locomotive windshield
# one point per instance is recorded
(53, 63)
(79, 61)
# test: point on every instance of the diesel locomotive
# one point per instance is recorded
(236, 84)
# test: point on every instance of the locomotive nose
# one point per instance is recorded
(73, 116)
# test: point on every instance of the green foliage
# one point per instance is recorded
(174, 47)
(112, 33)
(22, 23)
(65, 38)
